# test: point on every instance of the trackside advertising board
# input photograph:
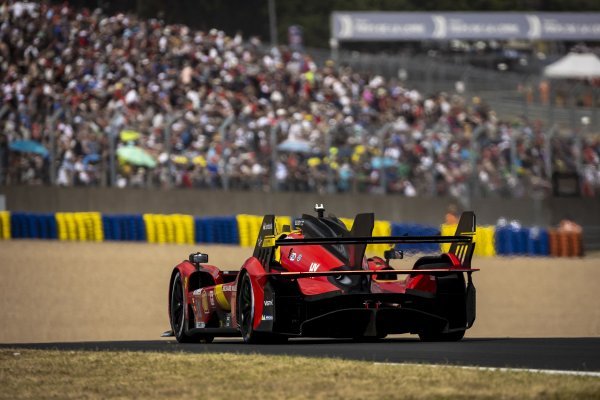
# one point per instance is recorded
(409, 26)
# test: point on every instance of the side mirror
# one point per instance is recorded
(198, 258)
(393, 254)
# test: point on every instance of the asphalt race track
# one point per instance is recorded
(575, 354)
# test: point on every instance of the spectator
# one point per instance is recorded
(206, 106)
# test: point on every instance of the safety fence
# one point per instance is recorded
(243, 230)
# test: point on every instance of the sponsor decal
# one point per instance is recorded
(266, 318)
(268, 303)
(211, 297)
(299, 257)
(204, 301)
(292, 256)
(200, 325)
(314, 267)
(228, 288)
(267, 226)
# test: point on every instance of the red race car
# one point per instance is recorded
(316, 281)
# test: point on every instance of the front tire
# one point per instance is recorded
(177, 318)
(245, 297)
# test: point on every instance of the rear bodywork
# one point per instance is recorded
(316, 281)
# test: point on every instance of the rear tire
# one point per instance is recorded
(245, 307)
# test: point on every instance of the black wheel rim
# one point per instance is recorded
(246, 306)
(177, 311)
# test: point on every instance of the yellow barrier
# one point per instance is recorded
(381, 228)
(348, 222)
(188, 228)
(282, 220)
(61, 230)
(5, 225)
(82, 226)
(71, 226)
(150, 225)
(248, 229)
(169, 228)
(80, 221)
(94, 227)
(484, 239)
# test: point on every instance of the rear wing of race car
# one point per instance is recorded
(462, 245)
(436, 271)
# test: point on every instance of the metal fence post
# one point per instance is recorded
(113, 133)
(170, 119)
(513, 154)
(473, 155)
(274, 156)
(52, 132)
(548, 151)
(328, 141)
(223, 132)
(381, 135)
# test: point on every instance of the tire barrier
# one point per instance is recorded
(416, 230)
(243, 229)
(565, 244)
(5, 225)
(171, 228)
(512, 241)
(484, 239)
(32, 226)
(124, 227)
(282, 221)
(248, 228)
(381, 228)
(216, 230)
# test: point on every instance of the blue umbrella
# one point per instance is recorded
(28, 146)
(91, 158)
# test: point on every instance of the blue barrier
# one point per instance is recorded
(33, 226)
(511, 241)
(124, 227)
(405, 229)
(216, 230)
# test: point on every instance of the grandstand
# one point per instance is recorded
(206, 110)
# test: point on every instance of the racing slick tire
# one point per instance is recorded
(245, 307)
(177, 315)
(455, 285)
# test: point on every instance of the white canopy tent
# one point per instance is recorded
(574, 66)
(580, 67)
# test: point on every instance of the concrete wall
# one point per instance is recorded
(215, 202)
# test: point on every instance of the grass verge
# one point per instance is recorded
(33, 374)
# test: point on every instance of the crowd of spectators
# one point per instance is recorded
(217, 111)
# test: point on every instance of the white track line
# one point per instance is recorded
(535, 371)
